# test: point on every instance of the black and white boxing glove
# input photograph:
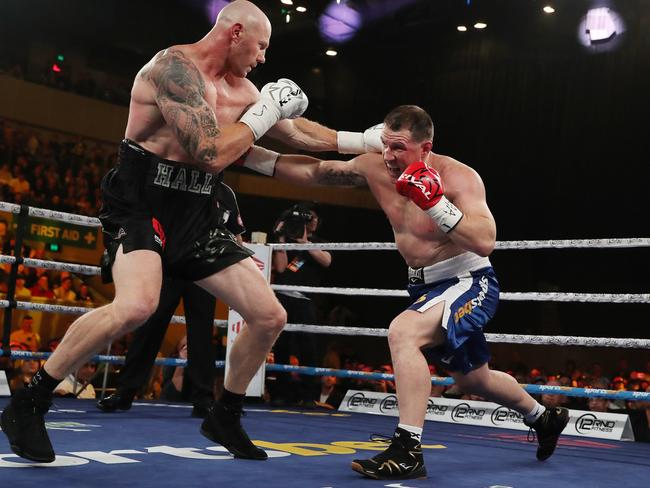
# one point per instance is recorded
(360, 142)
(282, 99)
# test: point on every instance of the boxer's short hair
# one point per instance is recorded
(413, 118)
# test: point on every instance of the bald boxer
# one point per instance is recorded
(192, 113)
(445, 232)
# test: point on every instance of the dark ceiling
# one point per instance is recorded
(132, 31)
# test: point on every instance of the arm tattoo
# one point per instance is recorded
(340, 177)
(180, 94)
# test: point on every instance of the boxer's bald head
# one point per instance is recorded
(245, 13)
(247, 31)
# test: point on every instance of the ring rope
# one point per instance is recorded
(53, 214)
(342, 373)
(381, 332)
(513, 296)
(500, 245)
(537, 340)
(67, 309)
(56, 265)
(361, 246)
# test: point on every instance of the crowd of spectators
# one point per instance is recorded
(47, 169)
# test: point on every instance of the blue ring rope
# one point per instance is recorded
(343, 373)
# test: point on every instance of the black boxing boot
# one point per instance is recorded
(23, 423)
(402, 460)
(223, 426)
(548, 428)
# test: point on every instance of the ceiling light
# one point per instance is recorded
(287, 2)
(480, 25)
(548, 9)
(461, 28)
(331, 52)
(301, 9)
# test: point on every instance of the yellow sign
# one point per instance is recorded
(45, 230)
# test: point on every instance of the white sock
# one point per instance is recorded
(535, 413)
(416, 432)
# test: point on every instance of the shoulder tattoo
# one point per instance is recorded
(180, 94)
(176, 78)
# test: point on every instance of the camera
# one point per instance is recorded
(291, 224)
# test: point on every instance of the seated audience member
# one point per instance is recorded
(550, 400)
(42, 287)
(331, 395)
(84, 294)
(26, 335)
(77, 385)
(22, 292)
(65, 291)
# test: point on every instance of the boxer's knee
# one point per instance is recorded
(400, 335)
(132, 311)
(269, 321)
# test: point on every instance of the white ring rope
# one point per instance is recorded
(361, 246)
(576, 297)
(51, 307)
(53, 214)
(376, 292)
(501, 245)
(57, 265)
(575, 243)
(514, 296)
(381, 332)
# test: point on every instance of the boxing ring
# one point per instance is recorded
(158, 444)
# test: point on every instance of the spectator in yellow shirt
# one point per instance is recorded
(26, 335)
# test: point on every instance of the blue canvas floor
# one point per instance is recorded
(159, 445)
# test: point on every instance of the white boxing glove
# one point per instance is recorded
(360, 142)
(282, 99)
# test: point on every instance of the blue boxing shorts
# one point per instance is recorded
(470, 291)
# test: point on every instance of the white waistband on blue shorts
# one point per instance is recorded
(450, 268)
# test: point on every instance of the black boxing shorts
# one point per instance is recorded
(167, 207)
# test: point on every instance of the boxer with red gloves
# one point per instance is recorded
(445, 234)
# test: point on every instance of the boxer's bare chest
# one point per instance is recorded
(229, 100)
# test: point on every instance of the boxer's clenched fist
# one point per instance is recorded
(422, 185)
(368, 141)
(282, 99)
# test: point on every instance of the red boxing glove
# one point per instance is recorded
(423, 186)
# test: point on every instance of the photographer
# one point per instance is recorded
(298, 224)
